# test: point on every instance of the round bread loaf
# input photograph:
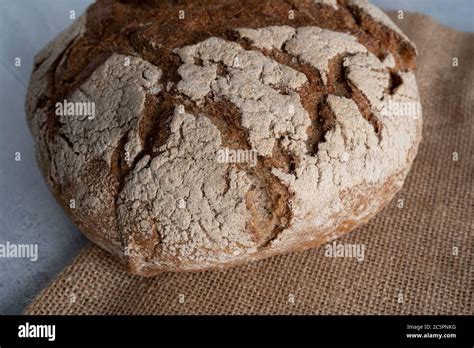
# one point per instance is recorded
(201, 134)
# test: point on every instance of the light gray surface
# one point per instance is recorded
(457, 14)
(28, 212)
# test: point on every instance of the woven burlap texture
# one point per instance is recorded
(417, 258)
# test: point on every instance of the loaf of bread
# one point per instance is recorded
(192, 135)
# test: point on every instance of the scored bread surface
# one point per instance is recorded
(306, 98)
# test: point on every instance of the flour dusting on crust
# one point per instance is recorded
(154, 192)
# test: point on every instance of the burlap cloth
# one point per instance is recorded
(418, 259)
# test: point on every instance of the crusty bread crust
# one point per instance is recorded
(302, 87)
